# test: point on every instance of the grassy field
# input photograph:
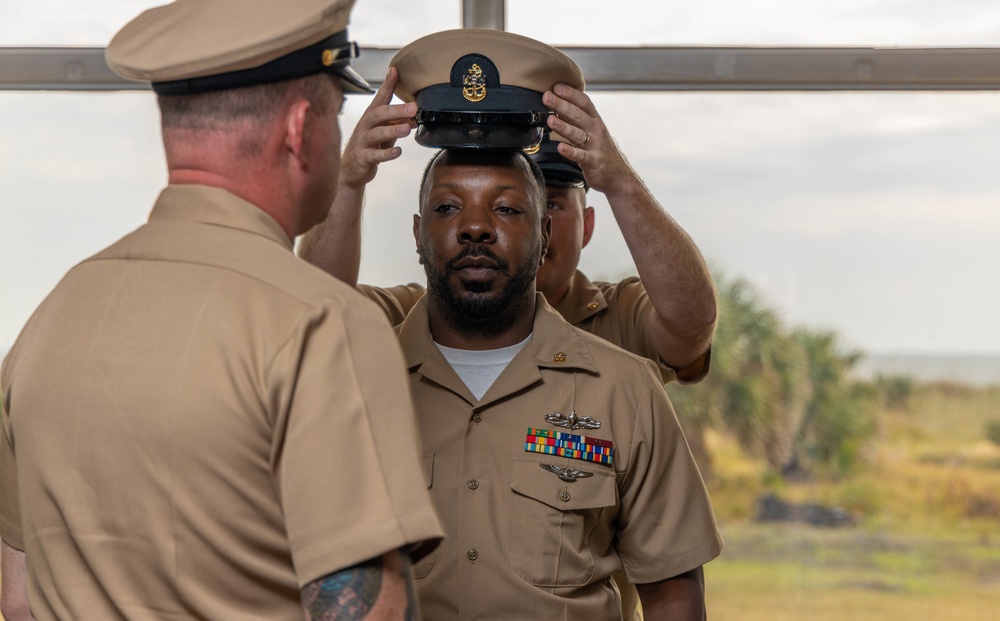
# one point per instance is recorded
(927, 545)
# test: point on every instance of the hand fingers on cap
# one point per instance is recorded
(384, 155)
(387, 134)
(569, 130)
(578, 98)
(387, 115)
(567, 111)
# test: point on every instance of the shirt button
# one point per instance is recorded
(473, 484)
(564, 496)
(472, 554)
(477, 417)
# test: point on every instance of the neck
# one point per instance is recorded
(215, 159)
(251, 193)
(555, 295)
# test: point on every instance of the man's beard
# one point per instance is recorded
(479, 312)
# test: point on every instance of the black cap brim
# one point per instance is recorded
(352, 80)
(477, 136)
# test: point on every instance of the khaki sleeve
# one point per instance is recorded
(666, 522)
(347, 455)
(629, 303)
(10, 505)
(395, 302)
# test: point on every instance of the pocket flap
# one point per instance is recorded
(530, 479)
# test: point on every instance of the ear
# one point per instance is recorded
(296, 131)
(588, 225)
(546, 234)
(416, 237)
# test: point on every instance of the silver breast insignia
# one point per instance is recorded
(573, 421)
(570, 475)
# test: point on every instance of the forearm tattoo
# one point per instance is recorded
(345, 595)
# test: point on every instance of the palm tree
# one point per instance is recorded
(784, 395)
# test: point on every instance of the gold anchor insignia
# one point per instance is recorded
(570, 475)
(573, 421)
(475, 85)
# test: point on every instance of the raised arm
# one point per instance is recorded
(14, 587)
(377, 590)
(334, 245)
(681, 598)
(669, 263)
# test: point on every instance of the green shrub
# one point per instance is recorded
(993, 432)
(895, 390)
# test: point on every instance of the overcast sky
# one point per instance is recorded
(871, 214)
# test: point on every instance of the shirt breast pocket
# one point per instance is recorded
(556, 524)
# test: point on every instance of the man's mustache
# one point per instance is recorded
(477, 250)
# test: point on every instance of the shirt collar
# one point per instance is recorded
(554, 342)
(215, 206)
(583, 300)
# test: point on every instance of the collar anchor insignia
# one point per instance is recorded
(573, 421)
(570, 475)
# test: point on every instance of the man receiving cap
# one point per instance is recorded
(554, 457)
(474, 103)
(667, 315)
(197, 424)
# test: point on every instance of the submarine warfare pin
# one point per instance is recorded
(573, 421)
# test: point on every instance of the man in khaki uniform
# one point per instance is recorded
(554, 458)
(489, 362)
(197, 424)
(667, 316)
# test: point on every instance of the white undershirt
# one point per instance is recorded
(479, 368)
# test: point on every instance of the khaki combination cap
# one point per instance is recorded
(478, 88)
(195, 46)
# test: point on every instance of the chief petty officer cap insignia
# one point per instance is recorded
(197, 46)
(558, 170)
(478, 88)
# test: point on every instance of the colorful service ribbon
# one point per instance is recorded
(569, 445)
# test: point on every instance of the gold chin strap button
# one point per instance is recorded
(559, 357)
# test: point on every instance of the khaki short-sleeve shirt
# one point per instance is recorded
(197, 424)
(532, 535)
